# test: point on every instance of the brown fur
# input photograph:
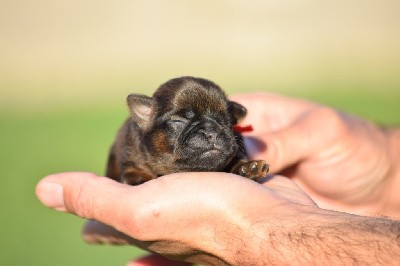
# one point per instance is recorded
(185, 126)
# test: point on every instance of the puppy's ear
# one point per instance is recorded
(140, 107)
(237, 111)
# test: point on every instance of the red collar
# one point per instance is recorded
(243, 129)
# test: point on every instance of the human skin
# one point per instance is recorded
(342, 162)
(233, 221)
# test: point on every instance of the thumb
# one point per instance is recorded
(91, 197)
(287, 147)
(293, 144)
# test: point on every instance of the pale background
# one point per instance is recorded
(63, 52)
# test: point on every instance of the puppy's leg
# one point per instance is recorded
(255, 170)
(112, 170)
(133, 176)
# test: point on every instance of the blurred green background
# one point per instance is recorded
(67, 66)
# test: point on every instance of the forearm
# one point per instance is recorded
(326, 237)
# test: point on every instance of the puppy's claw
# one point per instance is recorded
(254, 170)
(243, 171)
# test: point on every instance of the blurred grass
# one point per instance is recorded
(32, 147)
(77, 139)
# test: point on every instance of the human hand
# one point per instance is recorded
(211, 218)
(342, 162)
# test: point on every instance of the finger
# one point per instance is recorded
(156, 260)
(308, 136)
(268, 112)
(288, 147)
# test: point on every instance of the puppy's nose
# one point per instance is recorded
(211, 136)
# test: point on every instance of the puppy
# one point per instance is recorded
(187, 126)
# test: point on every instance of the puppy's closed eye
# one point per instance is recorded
(185, 126)
(178, 119)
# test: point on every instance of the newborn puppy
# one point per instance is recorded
(187, 126)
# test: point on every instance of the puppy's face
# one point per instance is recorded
(187, 125)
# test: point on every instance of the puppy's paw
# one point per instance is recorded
(254, 170)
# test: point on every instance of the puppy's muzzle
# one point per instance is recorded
(211, 136)
(211, 130)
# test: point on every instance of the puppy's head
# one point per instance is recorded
(187, 125)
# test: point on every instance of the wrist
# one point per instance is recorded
(295, 237)
(317, 236)
(286, 235)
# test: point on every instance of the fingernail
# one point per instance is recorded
(51, 195)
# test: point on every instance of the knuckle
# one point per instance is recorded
(83, 202)
(334, 121)
(80, 198)
(327, 113)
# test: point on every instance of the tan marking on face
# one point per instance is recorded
(160, 142)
